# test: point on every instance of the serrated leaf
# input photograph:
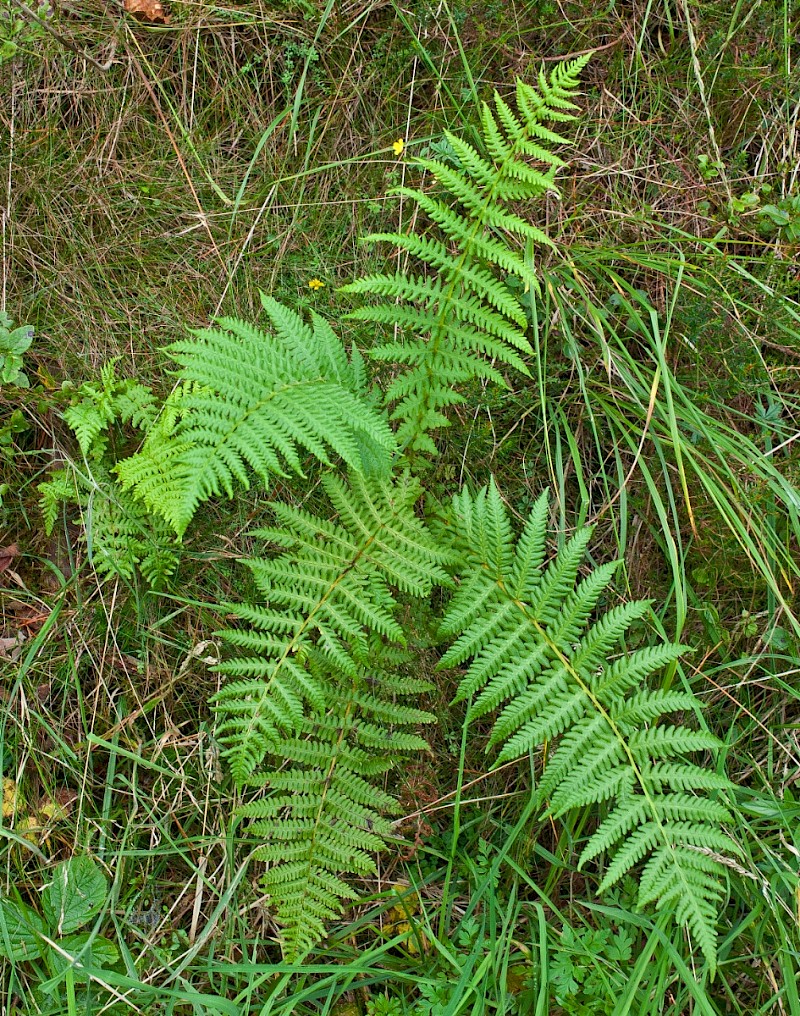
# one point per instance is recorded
(101, 953)
(76, 895)
(21, 931)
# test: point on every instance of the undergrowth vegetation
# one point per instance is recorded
(400, 504)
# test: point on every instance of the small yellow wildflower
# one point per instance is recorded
(398, 146)
(316, 284)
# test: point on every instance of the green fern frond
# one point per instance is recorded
(324, 597)
(462, 312)
(541, 650)
(54, 493)
(113, 401)
(324, 815)
(256, 401)
(120, 536)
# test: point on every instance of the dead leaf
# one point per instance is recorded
(21, 616)
(150, 11)
(29, 828)
(7, 555)
(10, 648)
(10, 798)
(58, 807)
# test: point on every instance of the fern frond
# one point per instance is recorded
(113, 400)
(463, 312)
(328, 592)
(256, 401)
(541, 660)
(324, 815)
(120, 536)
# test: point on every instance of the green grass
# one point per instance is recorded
(248, 147)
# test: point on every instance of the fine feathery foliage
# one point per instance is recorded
(254, 400)
(462, 315)
(325, 596)
(315, 714)
(102, 406)
(547, 672)
(121, 537)
(325, 812)
(315, 695)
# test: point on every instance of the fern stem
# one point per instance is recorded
(447, 903)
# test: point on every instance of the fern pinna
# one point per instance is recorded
(461, 317)
(254, 399)
(545, 669)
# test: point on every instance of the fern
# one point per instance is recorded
(543, 668)
(462, 316)
(258, 401)
(120, 536)
(311, 695)
(113, 401)
(325, 596)
(325, 815)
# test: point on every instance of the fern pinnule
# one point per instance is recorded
(542, 660)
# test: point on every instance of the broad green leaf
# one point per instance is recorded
(20, 931)
(76, 894)
(101, 953)
(778, 215)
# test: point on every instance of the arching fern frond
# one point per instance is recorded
(256, 401)
(325, 596)
(325, 813)
(541, 651)
(462, 315)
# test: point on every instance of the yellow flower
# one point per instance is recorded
(398, 146)
(316, 284)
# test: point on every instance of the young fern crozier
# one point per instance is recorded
(546, 671)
